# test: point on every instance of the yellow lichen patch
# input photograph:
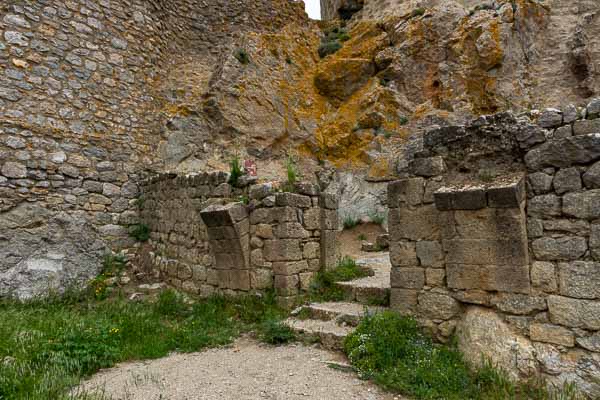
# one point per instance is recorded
(477, 45)
(381, 168)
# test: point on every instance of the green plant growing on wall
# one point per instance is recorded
(292, 174)
(417, 12)
(235, 170)
(242, 56)
(140, 232)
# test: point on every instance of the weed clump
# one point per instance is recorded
(140, 232)
(324, 288)
(332, 41)
(391, 350)
(242, 56)
(235, 171)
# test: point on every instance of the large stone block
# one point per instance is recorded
(467, 198)
(562, 248)
(546, 206)
(282, 250)
(272, 215)
(508, 278)
(428, 167)
(549, 333)
(239, 280)
(518, 304)
(435, 277)
(290, 230)
(293, 200)
(540, 183)
(507, 195)
(543, 276)
(567, 180)
(406, 192)
(290, 267)
(312, 218)
(404, 301)
(563, 153)
(436, 305)
(486, 251)
(329, 219)
(491, 223)
(579, 279)
(261, 279)
(423, 223)
(311, 250)
(407, 278)
(584, 205)
(403, 254)
(329, 249)
(595, 241)
(430, 253)
(574, 313)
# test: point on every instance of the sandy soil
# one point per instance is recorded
(350, 243)
(247, 370)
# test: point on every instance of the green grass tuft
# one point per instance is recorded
(48, 345)
(350, 222)
(391, 350)
(235, 171)
(323, 286)
(242, 56)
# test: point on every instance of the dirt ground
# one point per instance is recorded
(350, 242)
(245, 371)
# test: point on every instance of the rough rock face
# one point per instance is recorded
(44, 251)
(407, 65)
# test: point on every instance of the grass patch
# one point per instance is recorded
(350, 222)
(377, 218)
(392, 351)
(362, 237)
(47, 346)
(292, 175)
(323, 287)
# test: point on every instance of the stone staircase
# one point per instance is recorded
(330, 323)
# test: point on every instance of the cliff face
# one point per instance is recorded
(404, 66)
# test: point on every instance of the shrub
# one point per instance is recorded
(275, 332)
(329, 48)
(362, 237)
(242, 56)
(350, 222)
(403, 120)
(235, 171)
(417, 12)
(140, 232)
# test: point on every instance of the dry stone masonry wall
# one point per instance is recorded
(205, 241)
(495, 234)
(78, 121)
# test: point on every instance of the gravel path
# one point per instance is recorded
(247, 370)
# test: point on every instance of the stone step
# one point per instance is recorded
(329, 333)
(344, 314)
(366, 292)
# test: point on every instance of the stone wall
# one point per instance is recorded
(79, 125)
(494, 233)
(205, 241)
